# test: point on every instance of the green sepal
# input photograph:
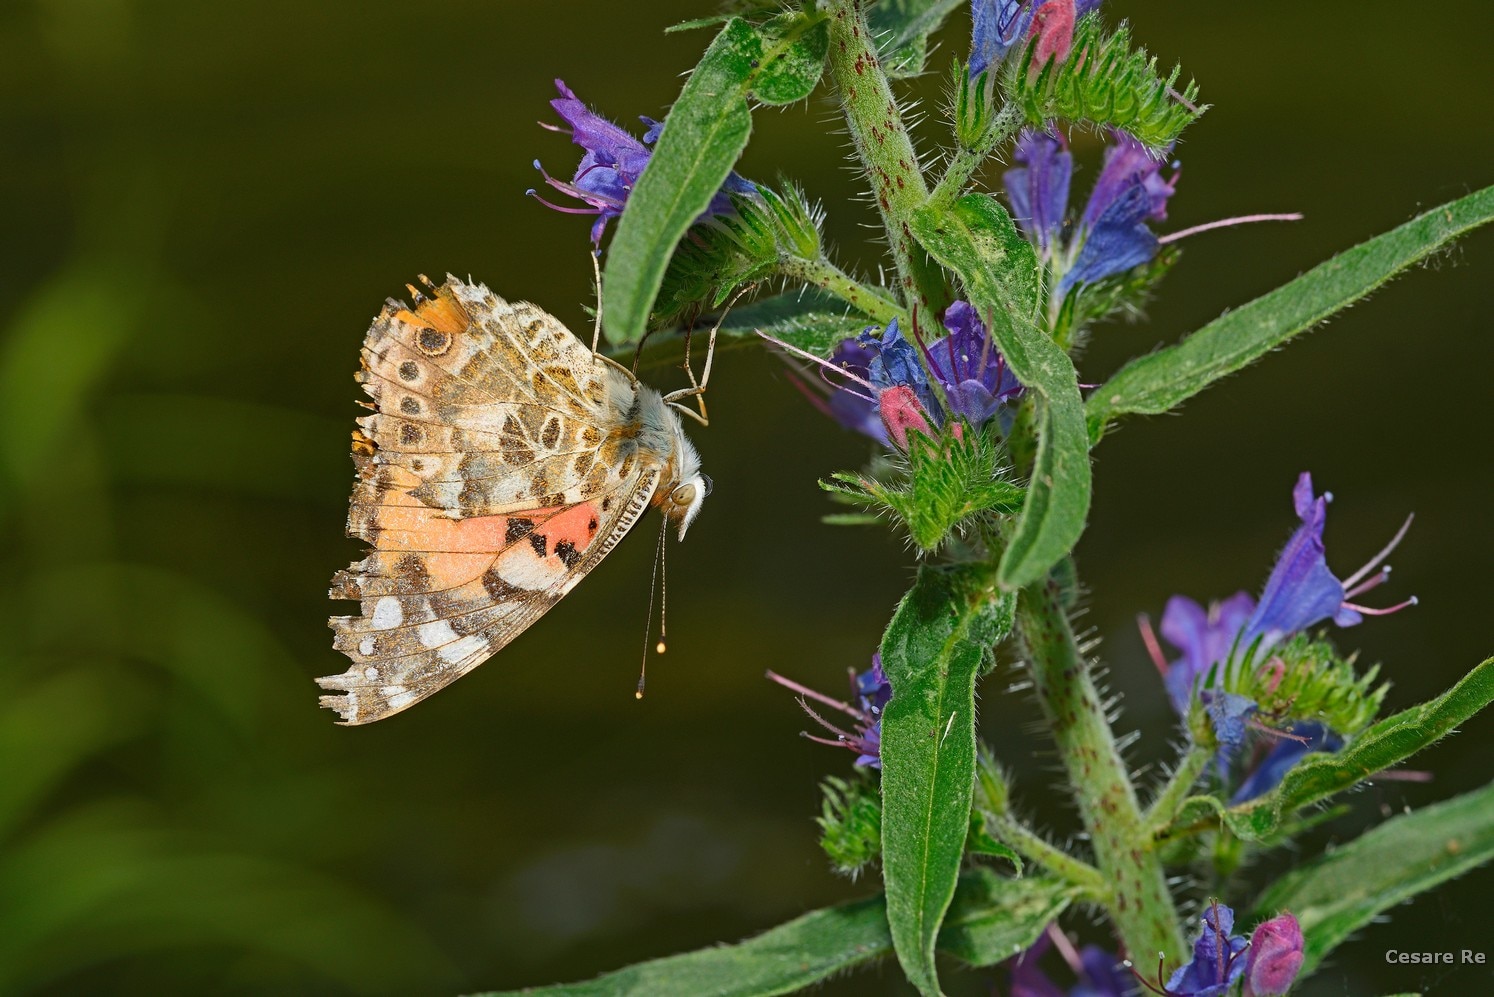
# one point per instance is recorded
(943, 485)
(851, 823)
(1104, 81)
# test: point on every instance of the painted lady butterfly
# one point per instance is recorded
(504, 459)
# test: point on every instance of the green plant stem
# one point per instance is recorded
(886, 153)
(821, 273)
(1165, 807)
(1140, 907)
(1030, 845)
(964, 162)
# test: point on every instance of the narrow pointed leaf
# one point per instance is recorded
(977, 239)
(991, 918)
(1336, 895)
(1163, 380)
(931, 652)
(703, 136)
(1389, 742)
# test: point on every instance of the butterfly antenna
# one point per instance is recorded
(596, 272)
(648, 619)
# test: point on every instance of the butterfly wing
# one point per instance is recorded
(515, 481)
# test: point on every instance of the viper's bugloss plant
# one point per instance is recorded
(959, 365)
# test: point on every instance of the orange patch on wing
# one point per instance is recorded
(416, 527)
(576, 526)
(449, 571)
(443, 313)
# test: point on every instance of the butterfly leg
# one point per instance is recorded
(697, 389)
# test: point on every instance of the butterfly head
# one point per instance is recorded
(687, 487)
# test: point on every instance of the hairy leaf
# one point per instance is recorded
(932, 649)
(1339, 893)
(902, 29)
(991, 918)
(1392, 740)
(703, 136)
(977, 239)
(1163, 380)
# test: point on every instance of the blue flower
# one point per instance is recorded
(1302, 740)
(1204, 637)
(1000, 25)
(612, 164)
(972, 373)
(871, 692)
(885, 387)
(1216, 963)
(1098, 973)
(1302, 591)
(1112, 234)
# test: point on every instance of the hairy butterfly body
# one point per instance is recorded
(503, 460)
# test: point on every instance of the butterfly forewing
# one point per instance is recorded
(492, 477)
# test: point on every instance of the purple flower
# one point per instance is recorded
(884, 389)
(1216, 963)
(972, 372)
(1038, 187)
(871, 692)
(1205, 638)
(1112, 233)
(1098, 972)
(1302, 591)
(999, 25)
(1229, 714)
(1275, 957)
(1302, 740)
(610, 168)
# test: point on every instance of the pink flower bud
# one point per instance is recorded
(1275, 957)
(901, 412)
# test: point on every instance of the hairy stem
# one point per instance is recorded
(1165, 807)
(1140, 907)
(964, 162)
(886, 153)
(1031, 846)
(872, 302)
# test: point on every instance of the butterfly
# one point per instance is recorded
(502, 461)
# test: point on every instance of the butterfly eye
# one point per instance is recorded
(706, 479)
(684, 495)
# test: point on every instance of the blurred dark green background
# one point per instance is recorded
(204, 205)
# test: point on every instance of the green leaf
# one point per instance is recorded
(1339, 893)
(990, 919)
(981, 842)
(703, 136)
(902, 29)
(1154, 384)
(1105, 82)
(931, 652)
(977, 239)
(1392, 740)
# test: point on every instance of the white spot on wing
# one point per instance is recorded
(387, 613)
(402, 700)
(464, 648)
(435, 633)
